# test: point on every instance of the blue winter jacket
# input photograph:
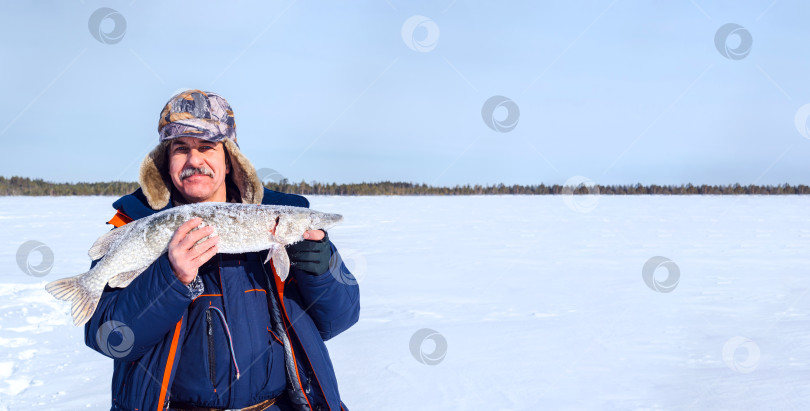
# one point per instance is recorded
(158, 323)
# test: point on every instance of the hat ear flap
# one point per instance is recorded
(154, 177)
(244, 175)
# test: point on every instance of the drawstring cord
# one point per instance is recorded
(230, 340)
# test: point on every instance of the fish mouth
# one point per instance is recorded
(331, 220)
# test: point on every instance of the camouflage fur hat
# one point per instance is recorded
(199, 114)
(195, 113)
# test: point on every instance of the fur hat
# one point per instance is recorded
(205, 115)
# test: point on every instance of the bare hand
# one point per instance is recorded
(314, 235)
(185, 255)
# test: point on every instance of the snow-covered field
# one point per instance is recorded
(534, 303)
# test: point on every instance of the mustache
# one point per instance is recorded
(188, 172)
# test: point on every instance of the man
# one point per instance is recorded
(215, 331)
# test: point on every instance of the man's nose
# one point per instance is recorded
(195, 158)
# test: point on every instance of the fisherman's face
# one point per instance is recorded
(198, 168)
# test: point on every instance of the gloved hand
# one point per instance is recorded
(310, 256)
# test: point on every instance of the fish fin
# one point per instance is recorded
(269, 254)
(83, 304)
(123, 279)
(281, 261)
(103, 243)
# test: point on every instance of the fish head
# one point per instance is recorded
(290, 226)
(323, 221)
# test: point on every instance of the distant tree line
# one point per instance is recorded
(23, 186)
(399, 188)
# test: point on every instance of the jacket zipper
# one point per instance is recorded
(211, 356)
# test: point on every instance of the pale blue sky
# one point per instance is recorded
(617, 91)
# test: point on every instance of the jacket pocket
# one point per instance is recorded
(212, 359)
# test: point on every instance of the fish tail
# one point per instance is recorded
(82, 303)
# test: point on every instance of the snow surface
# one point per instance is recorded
(541, 303)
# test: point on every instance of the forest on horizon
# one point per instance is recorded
(24, 186)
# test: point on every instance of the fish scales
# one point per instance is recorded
(127, 251)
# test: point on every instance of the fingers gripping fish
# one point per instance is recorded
(128, 251)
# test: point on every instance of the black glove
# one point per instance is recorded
(310, 256)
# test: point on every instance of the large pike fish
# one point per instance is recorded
(127, 251)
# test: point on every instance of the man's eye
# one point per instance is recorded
(181, 150)
(206, 148)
